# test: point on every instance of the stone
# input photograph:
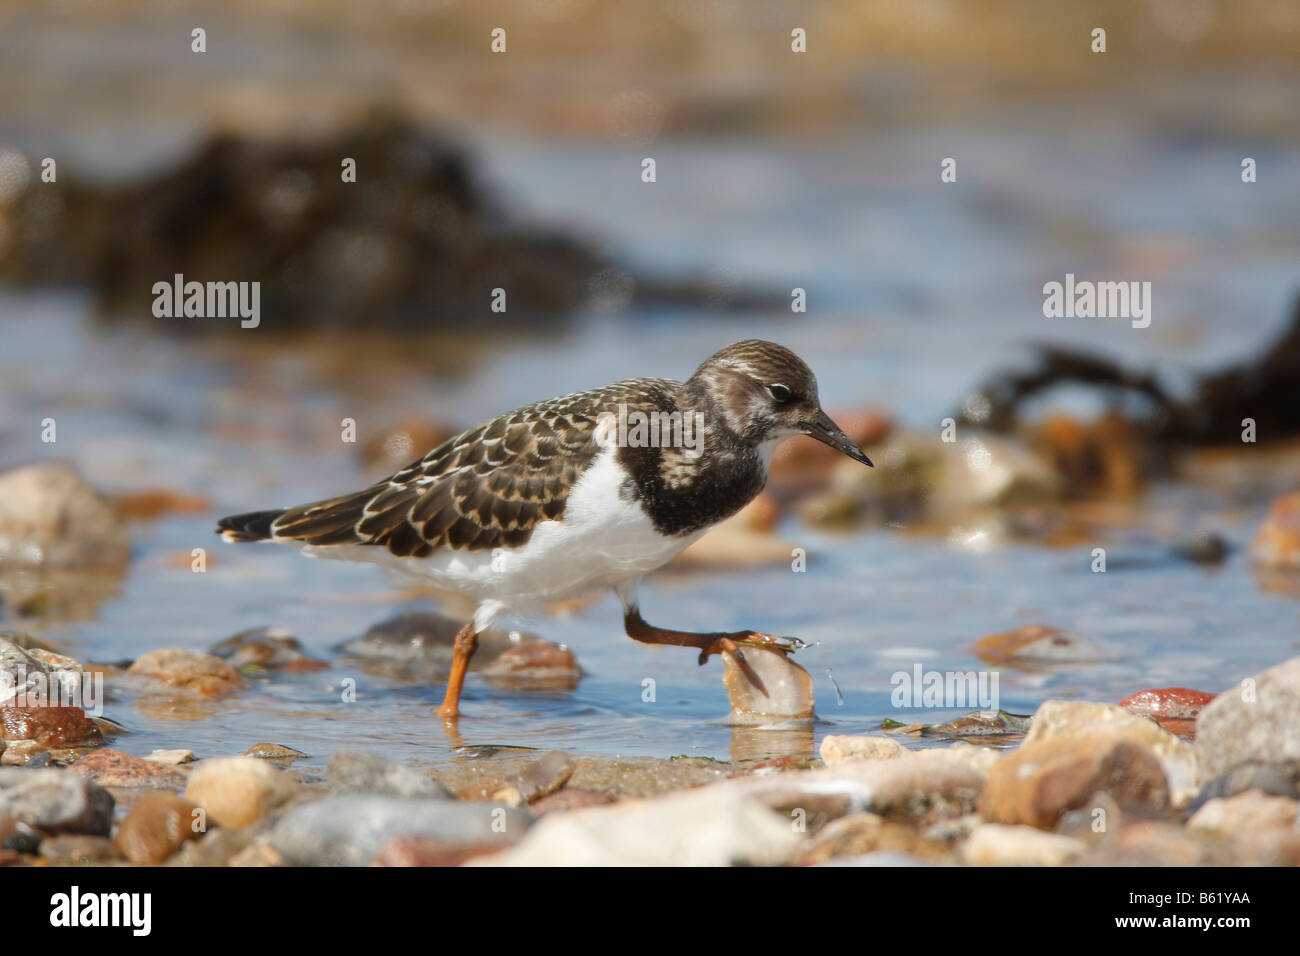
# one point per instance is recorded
(172, 758)
(203, 675)
(112, 768)
(77, 850)
(32, 675)
(1249, 812)
(1276, 544)
(1254, 723)
(563, 801)
(995, 844)
(423, 851)
(50, 726)
(711, 826)
(155, 828)
(1080, 719)
(766, 686)
(266, 649)
(1039, 783)
(238, 791)
(838, 749)
(55, 801)
(543, 776)
(351, 829)
(353, 771)
(52, 517)
(1038, 644)
(19, 753)
(534, 664)
(275, 752)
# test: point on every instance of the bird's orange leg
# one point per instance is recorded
(462, 650)
(709, 644)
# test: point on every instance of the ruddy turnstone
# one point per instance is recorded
(564, 496)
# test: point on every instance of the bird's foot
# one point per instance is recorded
(732, 644)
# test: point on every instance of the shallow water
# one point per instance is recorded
(915, 297)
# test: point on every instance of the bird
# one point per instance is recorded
(570, 495)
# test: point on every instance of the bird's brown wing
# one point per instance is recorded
(488, 487)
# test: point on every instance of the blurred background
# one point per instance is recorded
(775, 170)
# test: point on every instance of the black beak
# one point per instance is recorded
(828, 433)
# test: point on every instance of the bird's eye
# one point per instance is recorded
(780, 393)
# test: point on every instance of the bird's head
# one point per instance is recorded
(765, 393)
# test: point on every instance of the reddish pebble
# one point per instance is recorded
(1167, 702)
(50, 726)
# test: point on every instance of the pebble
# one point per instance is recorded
(19, 753)
(1082, 719)
(768, 685)
(238, 791)
(203, 675)
(417, 645)
(535, 664)
(1178, 702)
(353, 771)
(50, 726)
(563, 801)
(838, 749)
(1037, 644)
(172, 758)
(1249, 812)
(1276, 544)
(55, 801)
(112, 768)
(423, 851)
(1040, 782)
(52, 517)
(77, 850)
(710, 826)
(275, 752)
(1256, 723)
(995, 844)
(350, 829)
(264, 649)
(156, 827)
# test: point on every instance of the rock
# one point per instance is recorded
(1256, 723)
(155, 828)
(172, 758)
(860, 834)
(1279, 780)
(153, 503)
(50, 726)
(1039, 783)
(18, 753)
(711, 826)
(1159, 843)
(1037, 645)
(55, 801)
(35, 674)
(238, 791)
(203, 675)
(274, 752)
(218, 847)
(543, 776)
(563, 801)
(350, 830)
(76, 850)
(981, 723)
(1167, 702)
(352, 771)
(1081, 719)
(112, 768)
(417, 646)
(994, 844)
(51, 517)
(266, 649)
(258, 854)
(766, 686)
(1249, 812)
(1277, 542)
(836, 750)
(423, 851)
(534, 664)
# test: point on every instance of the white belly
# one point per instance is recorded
(601, 540)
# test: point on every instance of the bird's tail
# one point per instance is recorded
(253, 526)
